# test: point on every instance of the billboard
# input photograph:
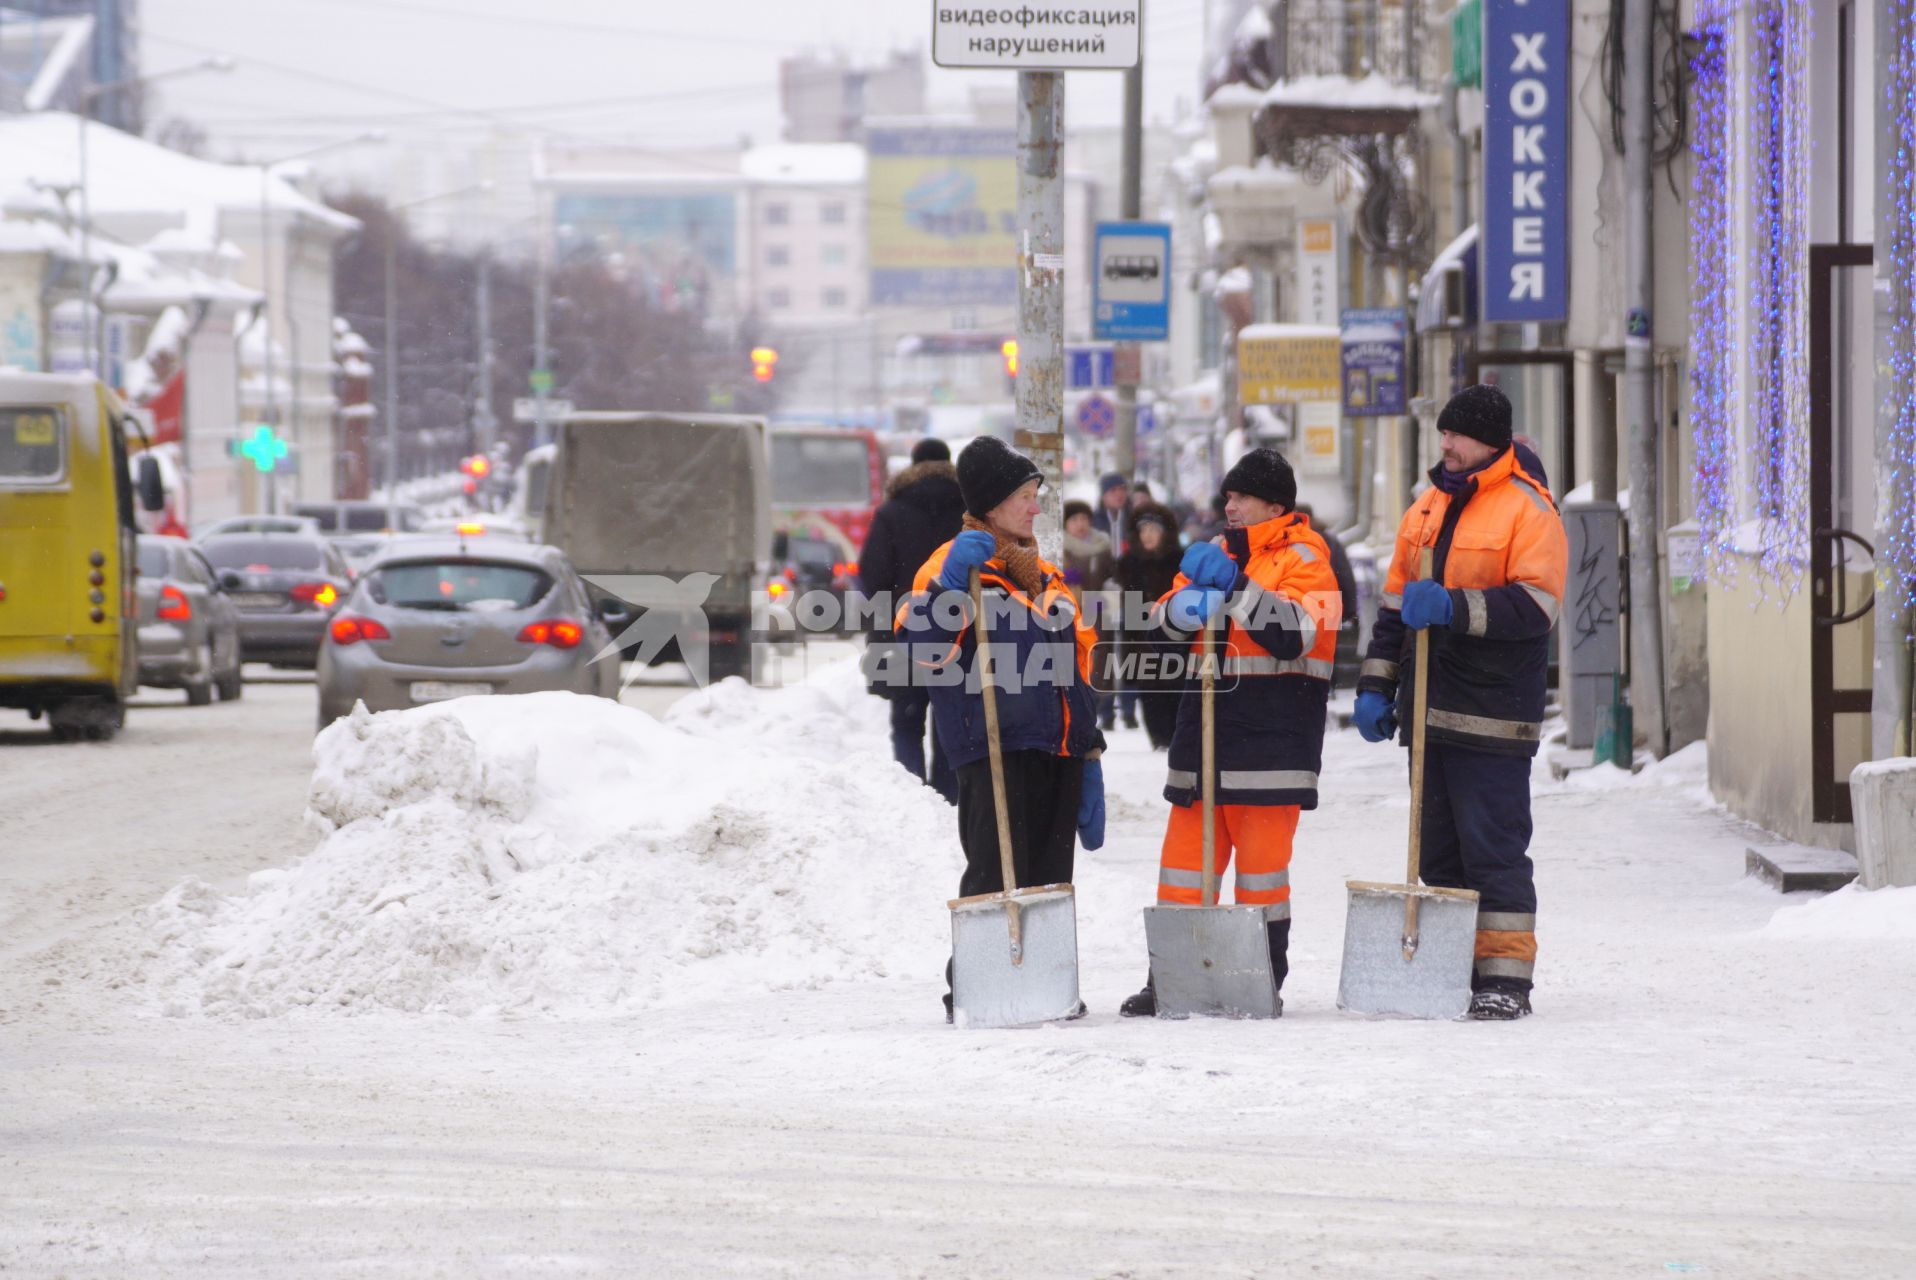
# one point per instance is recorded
(1526, 226)
(942, 216)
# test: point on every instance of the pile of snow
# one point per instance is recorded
(1850, 912)
(565, 856)
(1688, 767)
(831, 716)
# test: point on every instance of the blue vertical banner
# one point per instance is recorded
(1526, 227)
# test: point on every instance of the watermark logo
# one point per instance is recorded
(665, 611)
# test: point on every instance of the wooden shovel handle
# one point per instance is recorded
(1419, 701)
(1207, 662)
(989, 691)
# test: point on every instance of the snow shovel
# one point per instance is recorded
(1014, 953)
(1210, 960)
(1409, 948)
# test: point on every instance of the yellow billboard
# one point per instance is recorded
(942, 216)
(1289, 363)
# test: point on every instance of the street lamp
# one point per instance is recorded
(87, 98)
(392, 338)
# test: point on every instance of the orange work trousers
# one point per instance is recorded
(1259, 834)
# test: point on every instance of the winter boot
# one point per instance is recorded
(1142, 1005)
(1499, 1002)
(1279, 932)
(1131, 719)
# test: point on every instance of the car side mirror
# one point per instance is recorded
(229, 581)
(152, 489)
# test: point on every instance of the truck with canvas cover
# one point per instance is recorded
(678, 507)
(69, 613)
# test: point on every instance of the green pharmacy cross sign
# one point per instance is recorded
(263, 448)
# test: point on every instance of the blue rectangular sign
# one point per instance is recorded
(1131, 282)
(1087, 368)
(1373, 362)
(1526, 229)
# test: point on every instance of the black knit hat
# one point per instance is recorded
(1076, 507)
(1263, 473)
(989, 471)
(1111, 480)
(933, 450)
(1481, 412)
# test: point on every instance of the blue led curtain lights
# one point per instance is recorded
(1749, 247)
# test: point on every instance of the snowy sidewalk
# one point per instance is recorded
(1701, 1091)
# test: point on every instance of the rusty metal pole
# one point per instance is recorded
(1040, 378)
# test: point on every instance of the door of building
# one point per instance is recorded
(1842, 426)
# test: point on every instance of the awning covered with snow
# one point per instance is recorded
(1447, 299)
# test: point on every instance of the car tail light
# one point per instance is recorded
(174, 606)
(844, 569)
(323, 594)
(349, 629)
(560, 633)
(776, 589)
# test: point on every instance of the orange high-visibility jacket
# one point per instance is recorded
(1501, 549)
(1280, 649)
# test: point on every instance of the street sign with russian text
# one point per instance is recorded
(1131, 282)
(1373, 359)
(1526, 230)
(1067, 36)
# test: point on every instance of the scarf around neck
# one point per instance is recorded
(1019, 556)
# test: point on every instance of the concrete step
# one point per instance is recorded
(1791, 868)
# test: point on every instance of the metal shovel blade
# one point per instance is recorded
(1434, 982)
(1212, 962)
(993, 987)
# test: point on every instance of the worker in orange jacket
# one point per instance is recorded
(1495, 591)
(1267, 581)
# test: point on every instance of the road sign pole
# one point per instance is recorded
(1040, 379)
(1130, 201)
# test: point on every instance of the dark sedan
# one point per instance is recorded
(285, 586)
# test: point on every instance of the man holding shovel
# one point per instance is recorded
(1496, 587)
(1269, 576)
(1046, 710)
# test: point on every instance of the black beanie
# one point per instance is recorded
(1263, 473)
(1075, 507)
(989, 472)
(931, 451)
(1481, 412)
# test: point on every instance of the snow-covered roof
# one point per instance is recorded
(20, 235)
(1371, 92)
(803, 162)
(1275, 331)
(1235, 94)
(128, 175)
(1265, 177)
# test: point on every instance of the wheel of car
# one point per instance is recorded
(199, 692)
(230, 683)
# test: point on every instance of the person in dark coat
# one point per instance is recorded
(1145, 573)
(1109, 518)
(922, 511)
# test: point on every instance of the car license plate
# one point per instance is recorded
(440, 690)
(257, 600)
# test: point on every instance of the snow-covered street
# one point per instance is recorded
(683, 1081)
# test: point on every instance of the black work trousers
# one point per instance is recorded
(1041, 797)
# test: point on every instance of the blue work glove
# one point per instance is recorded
(1189, 608)
(1091, 806)
(1426, 604)
(969, 550)
(1208, 565)
(1374, 716)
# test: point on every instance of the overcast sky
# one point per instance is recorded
(657, 72)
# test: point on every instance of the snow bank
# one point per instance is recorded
(1850, 912)
(565, 856)
(1688, 767)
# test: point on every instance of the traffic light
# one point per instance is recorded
(764, 359)
(478, 466)
(1010, 352)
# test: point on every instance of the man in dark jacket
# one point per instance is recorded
(922, 511)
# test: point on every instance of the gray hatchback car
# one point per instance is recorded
(189, 629)
(436, 618)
